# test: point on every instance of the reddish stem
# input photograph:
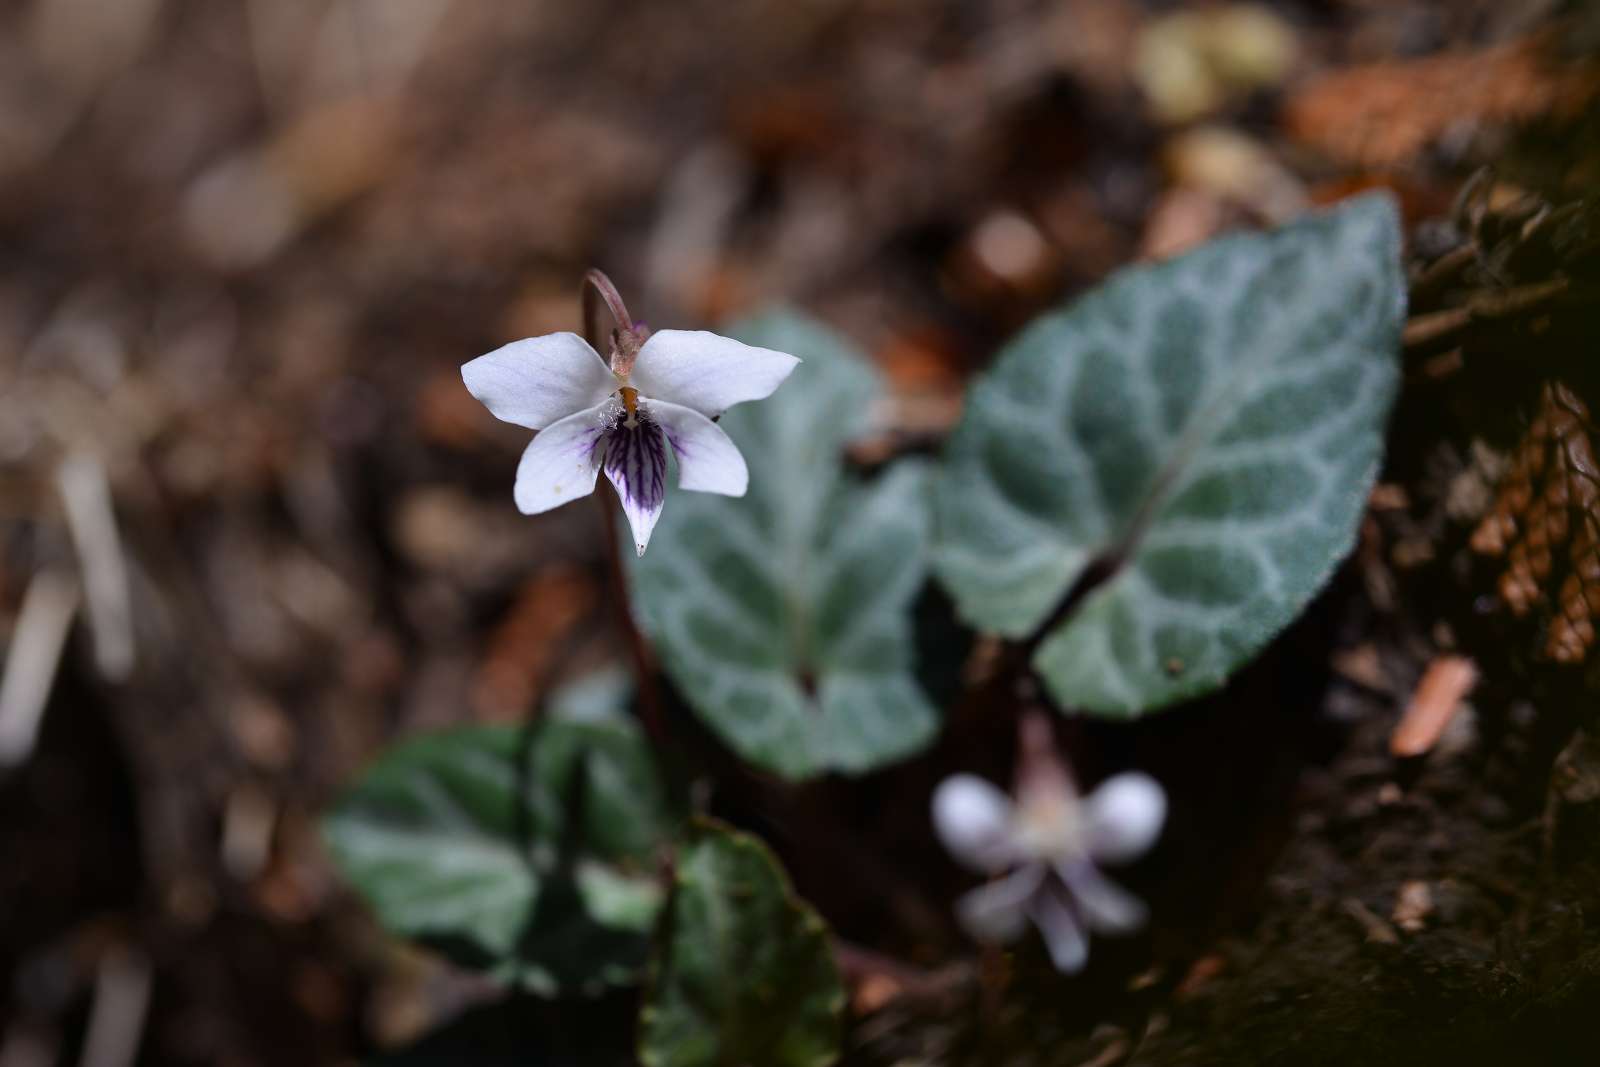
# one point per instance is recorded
(624, 345)
(625, 337)
(638, 647)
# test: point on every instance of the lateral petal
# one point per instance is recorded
(561, 463)
(997, 912)
(708, 460)
(1108, 907)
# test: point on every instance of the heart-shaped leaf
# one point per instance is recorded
(1208, 428)
(745, 973)
(783, 615)
(527, 853)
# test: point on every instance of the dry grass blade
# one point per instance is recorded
(86, 495)
(121, 1001)
(41, 632)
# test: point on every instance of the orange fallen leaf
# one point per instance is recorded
(1438, 695)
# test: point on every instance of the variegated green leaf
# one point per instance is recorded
(1209, 427)
(783, 615)
(526, 853)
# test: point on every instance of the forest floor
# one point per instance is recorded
(245, 248)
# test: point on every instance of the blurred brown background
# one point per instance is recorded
(251, 525)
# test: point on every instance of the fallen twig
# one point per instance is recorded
(1441, 329)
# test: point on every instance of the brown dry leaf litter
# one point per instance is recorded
(1412, 907)
(1550, 501)
(1383, 115)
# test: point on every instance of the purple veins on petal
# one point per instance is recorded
(584, 446)
(636, 463)
(560, 464)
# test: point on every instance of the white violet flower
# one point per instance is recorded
(659, 395)
(1048, 845)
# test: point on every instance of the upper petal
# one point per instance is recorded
(538, 380)
(562, 462)
(708, 460)
(636, 463)
(1125, 815)
(973, 819)
(707, 372)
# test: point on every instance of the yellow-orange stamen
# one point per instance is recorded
(630, 406)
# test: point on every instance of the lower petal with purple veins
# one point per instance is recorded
(1063, 933)
(636, 463)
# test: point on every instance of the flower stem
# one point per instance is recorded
(625, 341)
(638, 648)
(596, 283)
(625, 337)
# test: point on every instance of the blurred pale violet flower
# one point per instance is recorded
(657, 394)
(1047, 846)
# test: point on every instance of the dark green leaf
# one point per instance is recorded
(745, 974)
